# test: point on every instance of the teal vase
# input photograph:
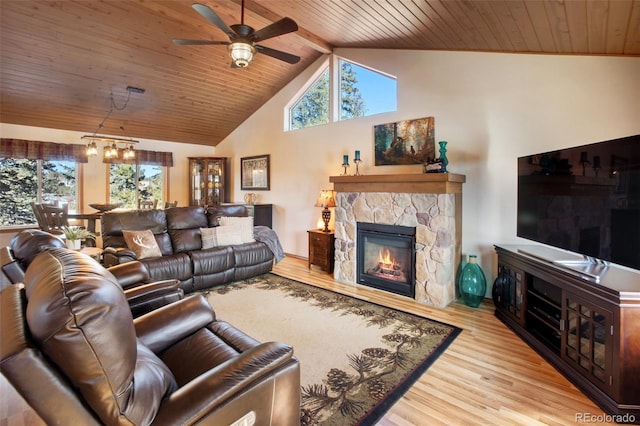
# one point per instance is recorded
(463, 263)
(473, 284)
(443, 156)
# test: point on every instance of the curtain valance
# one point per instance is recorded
(37, 150)
(154, 158)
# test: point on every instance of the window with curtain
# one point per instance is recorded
(33, 171)
(129, 184)
(138, 179)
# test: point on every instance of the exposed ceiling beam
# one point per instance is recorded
(307, 37)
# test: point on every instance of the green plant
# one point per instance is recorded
(77, 233)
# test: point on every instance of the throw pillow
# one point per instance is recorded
(220, 236)
(142, 243)
(244, 223)
(228, 235)
(208, 236)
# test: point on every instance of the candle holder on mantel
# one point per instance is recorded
(345, 164)
(357, 161)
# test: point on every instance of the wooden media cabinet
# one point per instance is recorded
(582, 318)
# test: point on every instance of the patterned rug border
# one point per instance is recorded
(378, 411)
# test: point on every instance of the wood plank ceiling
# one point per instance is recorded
(62, 60)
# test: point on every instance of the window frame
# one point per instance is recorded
(333, 64)
(164, 182)
(39, 195)
(303, 91)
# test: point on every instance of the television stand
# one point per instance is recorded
(588, 328)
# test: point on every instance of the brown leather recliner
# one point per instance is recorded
(73, 351)
(142, 293)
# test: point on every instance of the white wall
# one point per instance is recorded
(490, 107)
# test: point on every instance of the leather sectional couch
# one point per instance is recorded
(142, 294)
(177, 233)
(72, 349)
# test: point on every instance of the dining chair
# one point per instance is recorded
(55, 218)
(168, 204)
(39, 213)
(52, 218)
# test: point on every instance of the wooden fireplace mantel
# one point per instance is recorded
(418, 183)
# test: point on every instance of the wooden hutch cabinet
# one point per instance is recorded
(208, 181)
(585, 324)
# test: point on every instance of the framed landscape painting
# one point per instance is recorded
(405, 142)
(254, 173)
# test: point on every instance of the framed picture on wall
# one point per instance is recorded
(254, 173)
(404, 142)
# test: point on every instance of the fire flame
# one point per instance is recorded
(385, 258)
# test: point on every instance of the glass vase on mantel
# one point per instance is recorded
(473, 284)
(443, 156)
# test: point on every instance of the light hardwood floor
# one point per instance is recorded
(487, 376)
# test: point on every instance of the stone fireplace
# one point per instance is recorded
(431, 203)
(386, 257)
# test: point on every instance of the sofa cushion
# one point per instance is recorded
(177, 266)
(79, 316)
(241, 225)
(215, 212)
(113, 223)
(142, 243)
(183, 224)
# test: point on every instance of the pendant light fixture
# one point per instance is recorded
(111, 149)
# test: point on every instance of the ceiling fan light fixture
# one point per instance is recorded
(241, 53)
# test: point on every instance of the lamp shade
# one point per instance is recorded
(241, 53)
(326, 198)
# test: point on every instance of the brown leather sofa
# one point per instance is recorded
(177, 232)
(143, 294)
(72, 350)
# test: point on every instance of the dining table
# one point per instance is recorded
(91, 219)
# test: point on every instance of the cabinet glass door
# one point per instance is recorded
(198, 180)
(214, 174)
(510, 298)
(207, 181)
(588, 340)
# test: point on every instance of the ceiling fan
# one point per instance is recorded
(242, 38)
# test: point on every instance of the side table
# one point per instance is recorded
(94, 252)
(321, 249)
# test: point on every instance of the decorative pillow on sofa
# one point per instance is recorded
(245, 224)
(142, 243)
(220, 236)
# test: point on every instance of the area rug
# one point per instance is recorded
(357, 358)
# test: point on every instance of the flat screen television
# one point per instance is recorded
(584, 199)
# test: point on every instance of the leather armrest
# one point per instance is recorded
(115, 256)
(130, 273)
(14, 272)
(164, 326)
(153, 290)
(220, 385)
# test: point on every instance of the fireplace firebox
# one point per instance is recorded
(386, 257)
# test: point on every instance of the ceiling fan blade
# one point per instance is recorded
(283, 26)
(283, 56)
(211, 16)
(184, 42)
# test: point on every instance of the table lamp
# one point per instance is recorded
(326, 199)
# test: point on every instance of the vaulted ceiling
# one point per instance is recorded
(62, 60)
